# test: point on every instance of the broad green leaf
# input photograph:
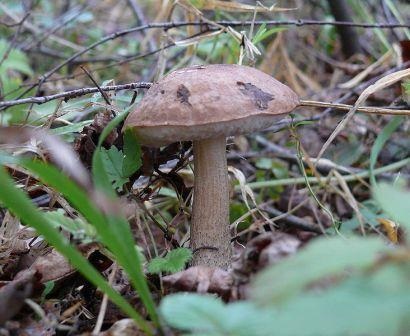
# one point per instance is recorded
(173, 262)
(192, 311)
(100, 177)
(395, 201)
(264, 163)
(321, 258)
(208, 315)
(73, 128)
(113, 160)
(369, 304)
(77, 227)
(16, 60)
(132, 154)
(370, 212)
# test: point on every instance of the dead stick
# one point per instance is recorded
(346, 107)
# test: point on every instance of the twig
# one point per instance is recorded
(67, 18)
(300, 23)
(139, 14)
(146, 85)
(169, 25)
(324, 165)
(347, 178)
(35, 29)
(13, 42)
(364, 109)
(292, 220)
(74, 94)
(104, 303)
(103, 94)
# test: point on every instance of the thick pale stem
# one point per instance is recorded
(210, 236)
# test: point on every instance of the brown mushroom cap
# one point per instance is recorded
(208, 101)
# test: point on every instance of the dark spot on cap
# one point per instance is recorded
(183, 94)
(162, 91)
(260, 97)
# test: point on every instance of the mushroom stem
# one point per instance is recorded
(210, 236)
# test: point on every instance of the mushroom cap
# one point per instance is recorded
(209, 101)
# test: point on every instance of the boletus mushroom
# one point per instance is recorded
(205, 104)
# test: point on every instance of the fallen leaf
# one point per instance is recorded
(52, 267)
(201, 279)
(265, 249)
(13, 294)
(124, 327)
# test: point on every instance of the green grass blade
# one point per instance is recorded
(16, 201)
(114, 231)
(379, 143)
(119, 227)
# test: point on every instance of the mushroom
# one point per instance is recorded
(205, 104)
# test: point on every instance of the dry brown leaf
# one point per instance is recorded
(52, 267)
(265, 249)
(201, 279)
(13, 294)
(124, 327)
(85, 146)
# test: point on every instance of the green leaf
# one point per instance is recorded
(173, 262)
(101, 178)
(346, 153)
(113, 160)
(263, 33)
(370, 212)
(322, 258)
(48, 287)
(16, 201)
(380, 141)
(395, 201)
(16, 60)
(77, 227)
(406, 86)
(73, 128)
(369, 304)
(114, 231)
(374, 302)
(208, 315)
(264, 163)
(132, 154)
(192, 311)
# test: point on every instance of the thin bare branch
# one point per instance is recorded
(364, 109)
(74, 94)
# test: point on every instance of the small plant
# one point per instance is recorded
(334, 286)
(173, 262)
(112, 229)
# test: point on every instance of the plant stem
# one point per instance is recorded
(346, 107)
(313, 180)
